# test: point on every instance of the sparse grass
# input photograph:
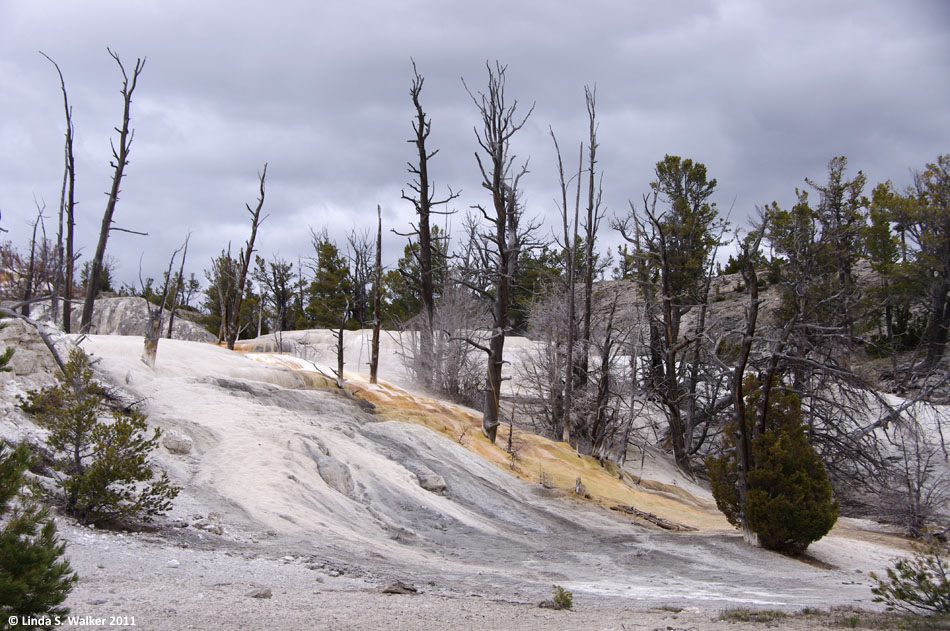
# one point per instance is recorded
(752, 615)
(856, 619)
(844, 618)
(669, 608)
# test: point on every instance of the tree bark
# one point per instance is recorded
(425, 204)
(64, 264)
(152, 333)
(937, 329)
(179, 288)
(570, 249)
(30, 280)
(247, 252)
(505, 234)
(339, 345)
(590, 233)
(377, 297)
(121, 159)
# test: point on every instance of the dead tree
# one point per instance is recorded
(223, 278)
(423, 199)
(591, 224)
(154, 327)
(360, 251)
(179, 287)
(64, 266)
(244, 262)
(570, 263)
(377, 296)
(31, 266)
(505, 235)
(120, 160)
(344, 315)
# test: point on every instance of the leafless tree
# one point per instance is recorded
(377, 296)
(361, 251)
(155, 315)
(422, 196)
(244, 261)
(223, 278)
(178, 293)
(344, 315)
(460, 319)
(67, 201)
(505, 236)
(31, 266)
(592, 221)
(545, 368)
(917, 489)
(120, 157)
(570, 245)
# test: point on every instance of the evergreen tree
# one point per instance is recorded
(788, 501)
(401, 285)
(331, 287)
(103, 466)
(923, 218)
(674, 237)
(34, 578)
(536, 272)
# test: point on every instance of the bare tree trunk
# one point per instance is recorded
(743, 440)
(121, 159)
(505, 235)
(245, 262)
(570, 250)
(30, 281)
(936, 333)
(425, 204)
(154, 329)
(152, 333)
(58, 257)
(339, 345)
(64, 266)
(599, 434)
(377, 297)
(179, 287)
(590, 228)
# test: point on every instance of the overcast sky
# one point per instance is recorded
(763, 93)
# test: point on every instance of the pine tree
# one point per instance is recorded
(789, 500)
(331, 287)
(103, 467)
(34, 579)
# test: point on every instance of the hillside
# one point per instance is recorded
(324, 498)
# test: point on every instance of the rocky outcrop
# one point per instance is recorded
(129, 316)
(31, 360)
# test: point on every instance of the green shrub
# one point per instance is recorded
(789, 503)
(789, 500)
(563, 599)
(920, 584)
(34, 579)
(102, 465)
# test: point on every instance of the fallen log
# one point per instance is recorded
(656, 520)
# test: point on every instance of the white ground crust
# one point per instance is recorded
(321, 502)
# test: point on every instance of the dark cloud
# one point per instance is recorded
(763, 93)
